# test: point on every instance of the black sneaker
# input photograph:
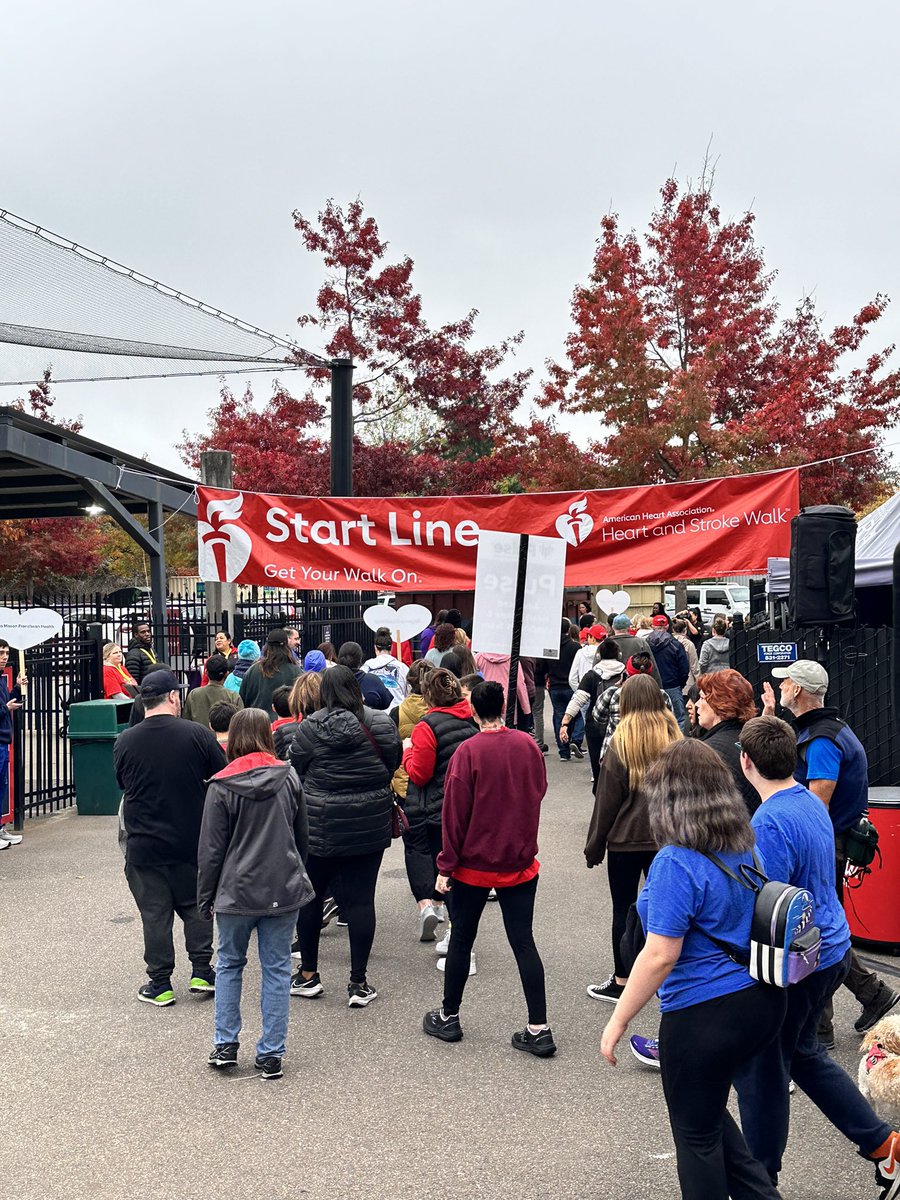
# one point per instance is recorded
(160, 994)
(224, 1054)
(360, 994)
(310, 988)
(329, 910)
(203, 982)
(270, 1067)
(541, 1045)
(877, 1008)
(610, 991)
(577, 750)
(448, 1029)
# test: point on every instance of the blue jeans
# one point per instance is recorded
(675, 695)
(559, 698)
(273, 936)
(762, 1083)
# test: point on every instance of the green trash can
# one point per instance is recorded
(94, 726)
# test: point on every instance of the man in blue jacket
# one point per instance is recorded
(672, 662)
(9, 702)
(796, 843)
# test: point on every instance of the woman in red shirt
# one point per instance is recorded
(116, 680)
(492, 806)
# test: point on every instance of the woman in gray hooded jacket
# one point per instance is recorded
(250, 872)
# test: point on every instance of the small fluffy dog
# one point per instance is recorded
(879, 1069)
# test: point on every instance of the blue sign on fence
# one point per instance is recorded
(776, 652)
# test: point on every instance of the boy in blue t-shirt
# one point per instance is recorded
(795, 838)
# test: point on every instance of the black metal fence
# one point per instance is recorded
(67, 668)
(859, 666)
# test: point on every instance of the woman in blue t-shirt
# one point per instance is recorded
(715, 1017)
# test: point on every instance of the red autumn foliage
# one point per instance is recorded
(435, 414)
(678, 348)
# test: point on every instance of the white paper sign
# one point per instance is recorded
(26, 629)
(496, 571)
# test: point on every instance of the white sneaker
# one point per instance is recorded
(428, 920)
(7, 835)
(5, 845)
(443, 945)
(441, 910)
(441, 965)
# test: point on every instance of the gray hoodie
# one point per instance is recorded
(715, 655)
(253, 839)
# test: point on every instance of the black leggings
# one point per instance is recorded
(625, 868)
(701, 1048)
(421, 846)
(356, 876)
(517, 907)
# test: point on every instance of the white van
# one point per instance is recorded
(713, 598)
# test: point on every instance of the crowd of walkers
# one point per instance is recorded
(269, 806)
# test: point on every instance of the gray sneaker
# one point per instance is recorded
(7, 835)
(428, 922)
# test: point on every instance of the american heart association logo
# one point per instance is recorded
(575, 524)
(223, 547)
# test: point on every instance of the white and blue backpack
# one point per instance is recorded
(785, 942)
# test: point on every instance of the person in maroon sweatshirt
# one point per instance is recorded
(492, 807)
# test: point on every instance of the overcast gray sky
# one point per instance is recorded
(487, 139)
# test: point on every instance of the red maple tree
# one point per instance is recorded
(435, 414)
(678, 349)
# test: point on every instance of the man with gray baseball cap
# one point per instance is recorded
(832, 763)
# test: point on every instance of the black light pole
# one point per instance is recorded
(512, 694)
(342, 427)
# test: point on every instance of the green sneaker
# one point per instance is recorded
(201, 984)
(161, 996)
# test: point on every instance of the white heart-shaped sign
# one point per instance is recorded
(29, 628)
(621, 602)
(605, 601)
(407, 621)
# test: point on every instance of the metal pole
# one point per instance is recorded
(158, 582)
(342, 427)
(512, 699)
(217, 470)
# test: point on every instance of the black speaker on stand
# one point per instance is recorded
(823, 566)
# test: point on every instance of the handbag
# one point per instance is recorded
(399, 819)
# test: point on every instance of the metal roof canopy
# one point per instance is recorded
(46, 471)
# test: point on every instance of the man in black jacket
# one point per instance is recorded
(555, 673)
(162, 766)
(139, 655)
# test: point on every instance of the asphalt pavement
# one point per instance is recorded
(104, 1097)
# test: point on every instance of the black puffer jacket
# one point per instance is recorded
(446, 730)
(253, 838)
(346, 781)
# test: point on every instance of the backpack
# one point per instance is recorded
(785, 943)
(389, 675)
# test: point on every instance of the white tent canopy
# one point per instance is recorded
(876, 539)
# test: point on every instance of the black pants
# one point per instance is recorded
(625, 869)
(797, 1053)
(160, 893)
(357, 876)
(701, 1049)
(421, 846)
(594, 738)
(861, 981)
(517, 907)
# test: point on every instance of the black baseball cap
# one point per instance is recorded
(159, 683)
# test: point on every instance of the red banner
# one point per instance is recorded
(623, 535)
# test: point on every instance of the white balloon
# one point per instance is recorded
(30, 628)
(621, 602)
(407, 621)
(604, 601)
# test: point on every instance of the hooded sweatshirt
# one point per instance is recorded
(671, 659)
(495, 667)
(253, 839)
(715, 655)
